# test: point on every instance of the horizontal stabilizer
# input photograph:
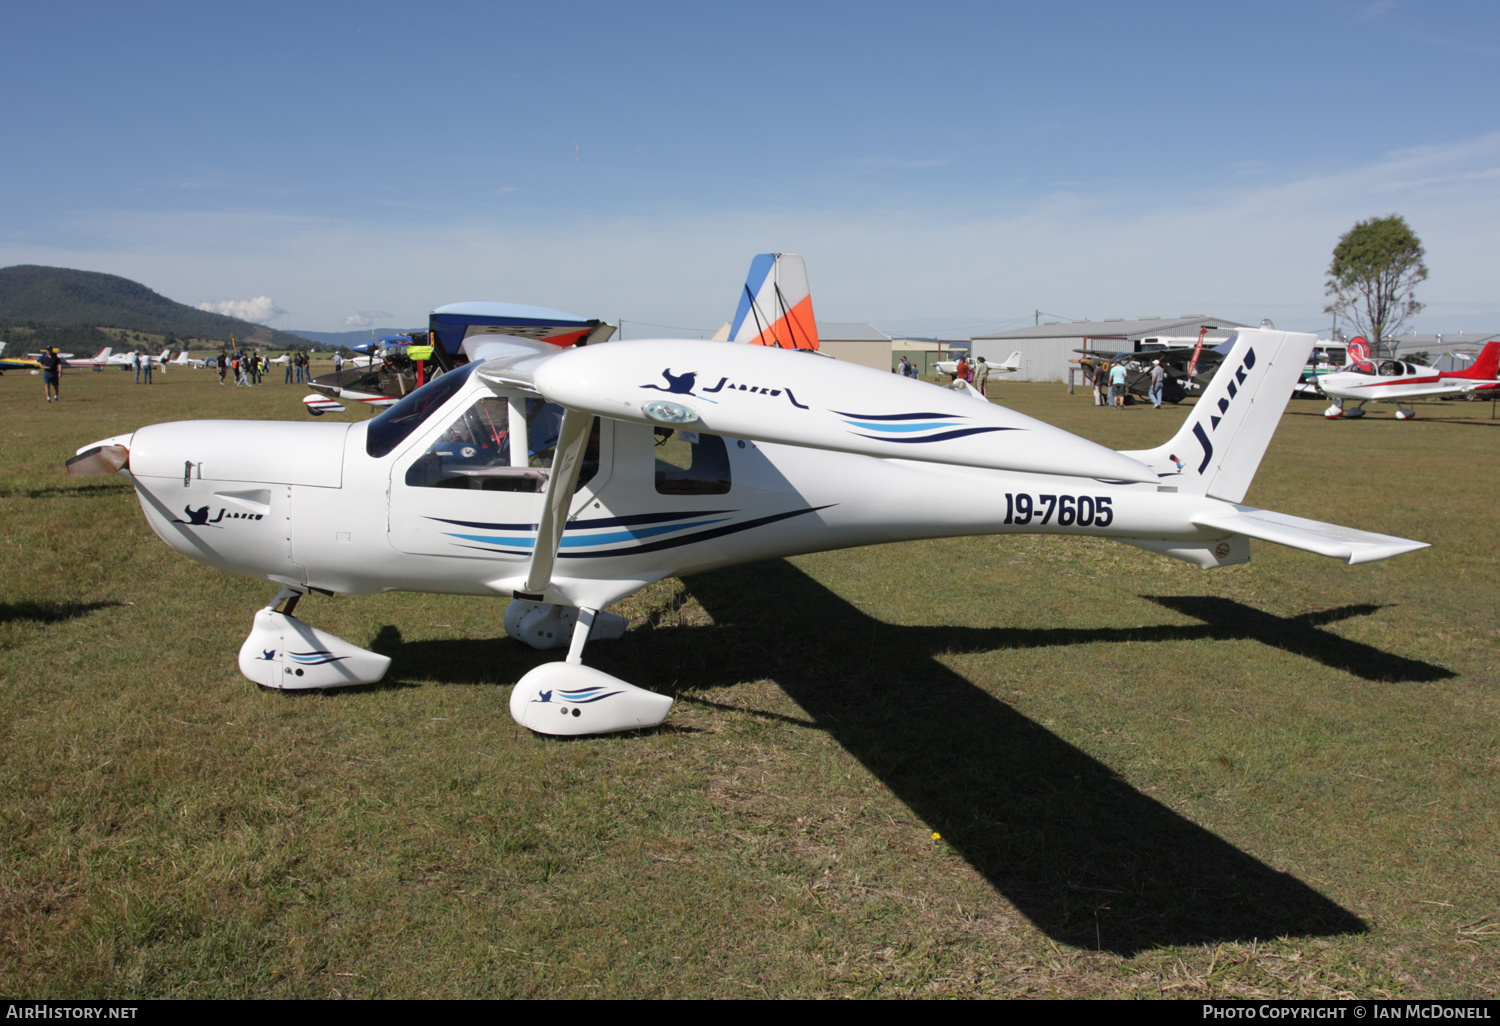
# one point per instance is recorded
(1309, 535)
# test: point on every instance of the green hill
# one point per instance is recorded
(61, 302)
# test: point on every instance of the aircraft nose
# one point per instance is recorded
(259, 452)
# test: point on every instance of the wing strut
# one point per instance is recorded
(572, 440)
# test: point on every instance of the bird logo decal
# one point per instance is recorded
(677, 384)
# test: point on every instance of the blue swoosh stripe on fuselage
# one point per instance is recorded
(666, 543)
(592, 539)
(917, 426)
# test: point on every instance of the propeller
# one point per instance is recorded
(100, 461)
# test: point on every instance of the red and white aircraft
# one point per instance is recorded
(1398, 381)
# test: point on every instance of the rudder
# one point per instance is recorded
(775, 307)
(1220, 446)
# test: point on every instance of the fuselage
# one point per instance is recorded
(1397, 380)
(333, 507)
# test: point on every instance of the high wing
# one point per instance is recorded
(770, 395)
(765, 394)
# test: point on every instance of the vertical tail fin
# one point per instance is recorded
(1486, 367)
(775, 305)
(1221, 444)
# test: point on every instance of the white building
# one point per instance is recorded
(856, 343)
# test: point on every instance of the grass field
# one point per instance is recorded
(970, 767)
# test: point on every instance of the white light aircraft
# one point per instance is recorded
(184, 360)
(1010, 366)
(127, 360)
(1400, 381)
(99, 359)
(567, 478)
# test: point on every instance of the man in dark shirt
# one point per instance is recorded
(52, 373)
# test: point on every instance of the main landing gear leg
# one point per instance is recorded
(569, 699)
(283, 652)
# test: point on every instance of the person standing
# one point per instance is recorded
(52, 365)
(1158, 383)
(1117, 385)
(146, 365)
(1099, 379)
(223, 366)
(290, 361)
(136, 360)
(981, 376)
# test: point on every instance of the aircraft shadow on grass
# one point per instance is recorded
(48, 612)
(89, 491)
(1089, 859)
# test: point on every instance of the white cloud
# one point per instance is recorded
(366, 318)
(260, 310)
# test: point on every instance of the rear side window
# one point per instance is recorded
(691, 463)
(393, 426)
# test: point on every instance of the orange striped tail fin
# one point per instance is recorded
(776, 305)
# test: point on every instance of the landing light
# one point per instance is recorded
(668, 413)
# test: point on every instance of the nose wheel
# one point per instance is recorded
(284, 653)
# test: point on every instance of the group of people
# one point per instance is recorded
(250, 368)
(977, 374)
(143, 367)
(297, 366)
(1110, 387)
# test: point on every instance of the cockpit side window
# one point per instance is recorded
(473, 453)
(1390, 369)
(691, 463)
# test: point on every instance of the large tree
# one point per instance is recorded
(1375, 270)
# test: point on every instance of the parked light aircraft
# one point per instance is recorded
(185, 360)
(126, 361)
(1400, 381)
(25, 363)
(1010, 366)
(387, 374)
(1190, 363)
(566, 478)
(100, 359)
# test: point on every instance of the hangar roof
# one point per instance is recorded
(1187, 324)
(842, 331)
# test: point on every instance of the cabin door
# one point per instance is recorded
(474, 487)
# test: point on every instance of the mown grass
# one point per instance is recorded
(1274, 779)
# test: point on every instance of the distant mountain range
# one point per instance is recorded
(51, 298)
(350, 338)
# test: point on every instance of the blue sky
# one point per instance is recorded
(943, 168)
